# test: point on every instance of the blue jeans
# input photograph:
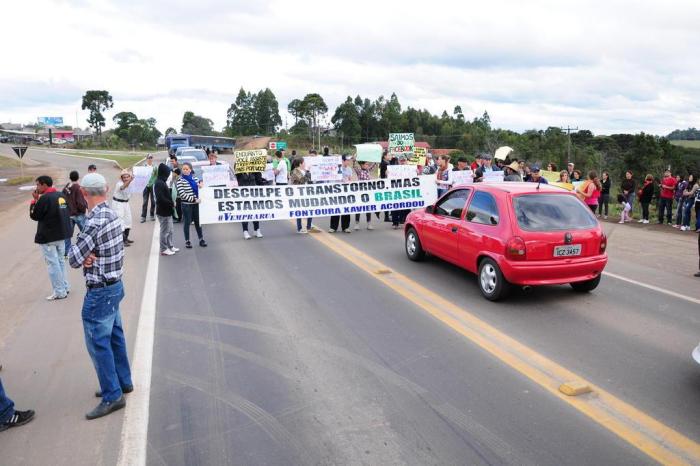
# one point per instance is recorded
(308, 224)
(687, 207)
(53, 255)
(104, 338)
(665, 206)
(78, 220)
(7, 407)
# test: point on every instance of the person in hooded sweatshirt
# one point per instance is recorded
(165, 206)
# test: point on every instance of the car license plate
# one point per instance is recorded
(568, 250)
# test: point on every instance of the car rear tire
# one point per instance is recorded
(588, 285)
(491, 282)
(414, 249)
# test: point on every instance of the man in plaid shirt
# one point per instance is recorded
(99, 249)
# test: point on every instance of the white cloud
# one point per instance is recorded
(609, 66)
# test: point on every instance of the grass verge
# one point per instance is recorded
(6, 162)
(19, 180)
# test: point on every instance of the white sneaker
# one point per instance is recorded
(54, 297)
(646, 222)
(370, 227)
(246, 235)
(331, 230)
(641, 220)
(684, 228)
(621, 221)
(302, 231)
(174, 249)
(167, 252)
(258, 234)
(347, 230)
(357, 226)
(605, 217)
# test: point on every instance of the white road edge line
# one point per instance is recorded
(654, 288)
(132, 451)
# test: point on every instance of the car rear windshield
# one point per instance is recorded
(548, 212)
(198, 154)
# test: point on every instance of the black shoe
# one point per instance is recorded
(188, 245)
(128, 389)
(105, 408)
(697, 274)
(203, 243)
(153, 219)
(143, 219)
(18, 418)
(127, 244)
(130, 241)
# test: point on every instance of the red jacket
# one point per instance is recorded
(668, 185)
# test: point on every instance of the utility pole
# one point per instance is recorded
(568, 130)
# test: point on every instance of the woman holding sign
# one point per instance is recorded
(299, 175)
(188, 190)
(120, 203)
(343, 220)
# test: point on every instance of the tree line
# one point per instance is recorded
(361, 119)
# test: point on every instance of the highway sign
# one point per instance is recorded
(50, 121)
(278, 145)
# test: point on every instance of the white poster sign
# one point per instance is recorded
(400, 171)
(326, 169)
(493, 177)
(462, 177)
(269, 173)
(141, 176)
(216, 175)
(246, 203)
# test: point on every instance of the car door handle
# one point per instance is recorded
(455, 229)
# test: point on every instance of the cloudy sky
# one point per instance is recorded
(609, 66)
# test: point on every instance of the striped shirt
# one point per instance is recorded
(102, 235)
(185, 191)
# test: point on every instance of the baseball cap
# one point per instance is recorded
(535, 168)
(94, 180)
(486, 157)
(149, 156)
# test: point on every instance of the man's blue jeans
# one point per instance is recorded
(7, 407)
(53, 255)
(78, 220)
(104, 338)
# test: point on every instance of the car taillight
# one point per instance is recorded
(515, 249)
(603, 243)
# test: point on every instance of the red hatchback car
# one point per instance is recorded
(521, 234)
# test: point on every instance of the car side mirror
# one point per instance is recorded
(430, 209)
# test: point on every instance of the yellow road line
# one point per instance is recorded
(652, 437)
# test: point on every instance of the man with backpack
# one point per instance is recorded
(77, 205)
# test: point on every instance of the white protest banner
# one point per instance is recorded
(402, 144)
(368, 152)
(141, 176)
(400, 171)
(250, 203)
(269, 173)
(461, 177)
(215, 175)
(326, 169)
(493, 177)
(250, 161)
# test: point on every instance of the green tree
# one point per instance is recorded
(124, 122)
(267, 112)
(346, 119)
(97, 102)
(295, 108)
(195, 124)
(313, 107)
(170, 131)
(241, 118)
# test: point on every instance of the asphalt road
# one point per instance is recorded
(279, 351)
(285, 350)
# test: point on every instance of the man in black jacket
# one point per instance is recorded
(251, 179)
(50, 209)
(165, 206)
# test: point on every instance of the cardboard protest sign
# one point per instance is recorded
(259, 203)
(250, 161)
(502, 152)
(216, 175)
(368, 153)
(567, 186)
(326, 169)
(402, 144)
(141, 176)
(552, 177)
(418, 157)
(400, 171)
(493, 177)
(461, 177)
